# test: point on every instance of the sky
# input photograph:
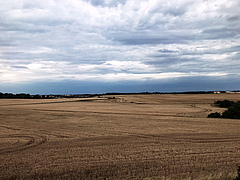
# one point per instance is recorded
(99, 46)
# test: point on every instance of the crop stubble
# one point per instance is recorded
(131, 136)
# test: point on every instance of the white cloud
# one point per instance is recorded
(108, 71)
(124, 40)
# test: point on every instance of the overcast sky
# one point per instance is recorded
(96, 46)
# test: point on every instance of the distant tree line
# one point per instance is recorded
(23, 96)
(37, 96)
(185, 92)
(233, 111)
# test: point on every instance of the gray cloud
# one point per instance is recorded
(174, 11)
(105, 3)
(141, 38)
(146, 40)
(22, 27)
(199, 83)
(234, 18)
(115, 40)
(167, 51)
(19, 67)
(221, 33)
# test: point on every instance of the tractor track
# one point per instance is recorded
(23, 142)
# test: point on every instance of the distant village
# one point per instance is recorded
(51, 96)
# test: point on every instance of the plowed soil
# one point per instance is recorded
(125, 137)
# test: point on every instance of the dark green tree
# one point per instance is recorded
(224, 104)
(214, 115)
(233, 112)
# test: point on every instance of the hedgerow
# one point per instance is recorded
(233, 111)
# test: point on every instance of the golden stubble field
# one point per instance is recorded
(129, 137)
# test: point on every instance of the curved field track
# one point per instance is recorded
(126, 137)
(18, 142)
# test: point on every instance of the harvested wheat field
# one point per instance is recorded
(129, 137)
